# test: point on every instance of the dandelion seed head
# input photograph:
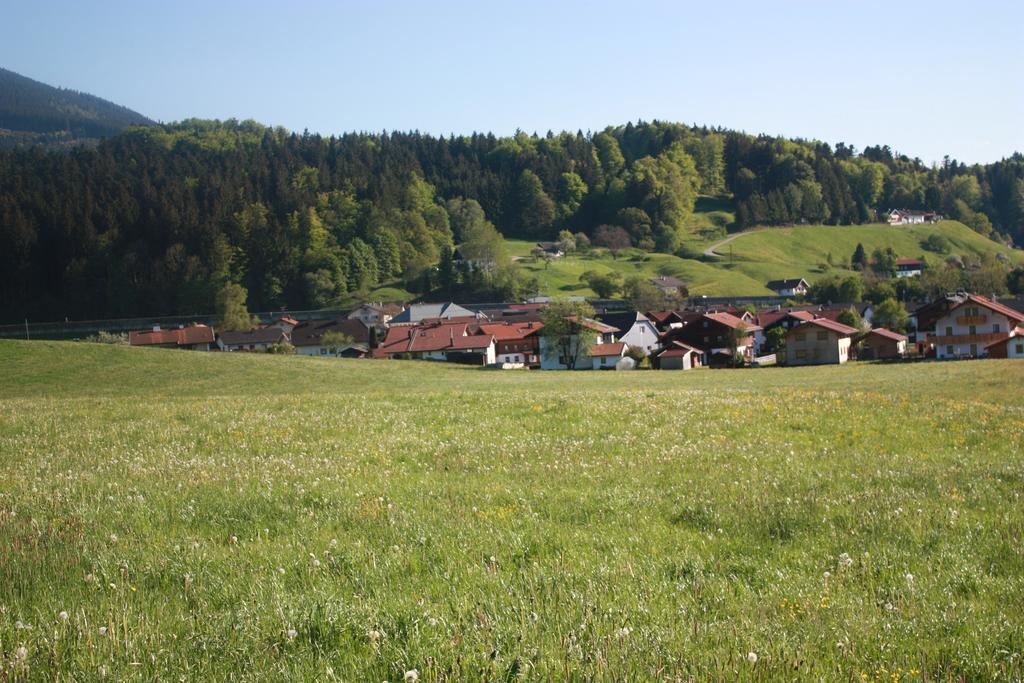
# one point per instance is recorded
(752, 657)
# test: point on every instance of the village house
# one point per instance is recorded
(680, 356)
(909, 267)
(439, 340)
(714, 334)
(911, 217)
(593, 334)
(417, 313)
(375, 314)
(256, 339)
(191, 338)
(551, 250)
(635, 329)
(669, 286)
(606, 356)
(819, 342)
(285, 323)
(665, 320)
(971, 326)
(308, 336)
(793, 287)
(881, 344)
(1011, 347)
(516, 343)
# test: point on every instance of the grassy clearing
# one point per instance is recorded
(228, 517)
(751, 260)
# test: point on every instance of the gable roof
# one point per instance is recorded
(1015, 336)
(594, 325)
(990, 305)
(729, 320)
(786, 284)
(432, 337)
(600, 350)
(768, 318)
(417, 312)
(832, 325)
(909, 262)
(624, 321)
(309, 333)
(182, 336)
(504, 331)
(678, 349)
(886, 334)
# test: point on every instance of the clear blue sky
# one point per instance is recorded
(927, 78)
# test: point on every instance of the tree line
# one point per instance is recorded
(159, 219)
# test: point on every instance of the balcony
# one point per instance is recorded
(967, 320)
(968, 338)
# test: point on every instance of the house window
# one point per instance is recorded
(1019, 349)
(995, 328)
(949, 331)
(801, 353)
(949, 350)
(822, 336)
(972, 330)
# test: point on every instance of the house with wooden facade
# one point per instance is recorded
(819, 342)
(881, 344)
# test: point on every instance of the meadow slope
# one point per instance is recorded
(754, 257)
(205, 516)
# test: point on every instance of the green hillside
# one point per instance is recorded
(179, 515)
(754, 257)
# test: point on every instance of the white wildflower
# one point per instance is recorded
(622, 632)
(412, 675)
(21, 653)
(292, 633)
(752, 657)
(63, 616)
(103, 630)
(845, 560)
(909, 578)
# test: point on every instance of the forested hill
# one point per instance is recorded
(35, 113)
(158, 219)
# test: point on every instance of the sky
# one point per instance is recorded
(927, 78)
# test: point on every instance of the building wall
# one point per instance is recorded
(643, 335)
(548, 361)
(817, 347)
(677, 362)
(877, 348)
(964, 332)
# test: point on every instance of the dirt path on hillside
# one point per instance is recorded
(710, 251)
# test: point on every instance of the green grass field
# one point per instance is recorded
(175, 515)
(753, 258)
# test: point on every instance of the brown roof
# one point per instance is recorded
(309, 333)
(1016, 334)
(992, 306)
(678, 349)
(909, 262)
(183, 336)
(887, 334)
(257, 335)
(615, 349)
(729, 320)
(769, 318)
(827, 324)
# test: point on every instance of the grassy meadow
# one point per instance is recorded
(232, 517)
(753, 258)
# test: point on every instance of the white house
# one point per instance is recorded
(594, 334)
(969, 328)
(606, 356)
(375, 314)
(1011, 347)
(791, 287)
(909, 267)
(635, 329)
(911, 217)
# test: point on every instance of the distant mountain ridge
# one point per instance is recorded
(36, 113)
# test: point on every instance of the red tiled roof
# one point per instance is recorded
(435, 337)
(888, 334)
(909, 262)
(827, 324)
(506, 331)
(732, 321)
(992, 306)
(183, 336)
(599, 350)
